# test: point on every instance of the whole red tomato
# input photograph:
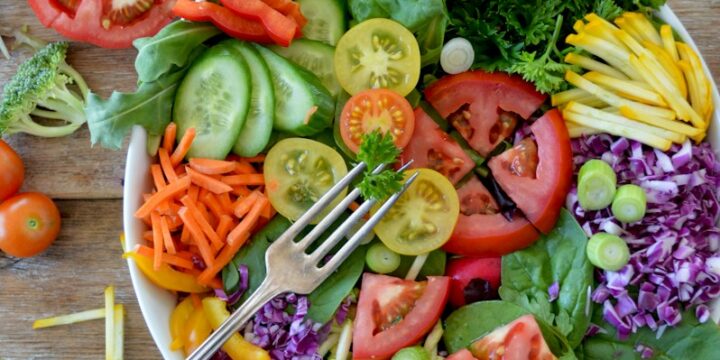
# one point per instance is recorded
(29, 223)
(12, 171)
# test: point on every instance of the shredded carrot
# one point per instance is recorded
(224, 226)
(197, 236)
(158, 177)
(168, 192)
(212, 184)
(148, 236)
(255, 159)
(201, 194)
(194, 192)
(169, 137)
(354, 206)
(157, 240)
(202, 222)
(226, 255)
(212, 167)
(180, 171)
(185, 235)
(226, 202)
(183, 147)
(211, 201)
(267, 212)
(244, 167)
(244, 205)
(166, 165)
(166, 258)
(197, 302)
(248, 222)
(167, 237)
(210, 218)
(241, 190)
(244, 179)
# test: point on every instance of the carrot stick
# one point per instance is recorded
(246, 225)
(202, 180)
(198, 236)
(184, 235)
(267, 212)
(194, 192)
(240, 190)
(148, 236)
(183, 147)
(204, 212)
(224, 226)
(197, 302)
(226, 202)
(167, 237)
(244, 167)
(180, 171)
(244, 205)
(166, 258)
(226, 255)
(211, 201)
(166, 165)
(244, 179)
(167, 193)
(158, 177)
(157, 240)
(255, 159)
(201, 221)
(169, 137)
(212, 167)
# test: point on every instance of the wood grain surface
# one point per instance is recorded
(87, 184)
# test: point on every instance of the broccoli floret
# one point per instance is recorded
(40, 88)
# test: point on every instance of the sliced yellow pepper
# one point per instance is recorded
(166, 277)
(237, 347)
(178, 321)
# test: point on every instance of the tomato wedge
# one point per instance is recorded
(539, 194)
(482, 230)
(432, 148)
(394, 313)
(484, 107)
(520, 339)
(105, 23)
(376, 109)
(473, 279)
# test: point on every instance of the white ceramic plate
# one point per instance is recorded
(157, 304)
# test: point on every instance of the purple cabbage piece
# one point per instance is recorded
(553, 291)
(233, 298)
(674, 263)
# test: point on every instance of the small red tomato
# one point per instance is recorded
(29, 223)
(473, 279)
(12, 171)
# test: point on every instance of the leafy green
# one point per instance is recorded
(558, 257)
(326, 299)
(170, 48)
(519, 36)
(434, 265)
(377, 148)
(688, 339)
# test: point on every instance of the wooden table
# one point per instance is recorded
(86, 183)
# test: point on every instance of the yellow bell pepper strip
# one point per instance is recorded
(119, 331)
(109, 322)
(178, 321)
(237, 347)
(197, 329)
(87, 315)
(166, 277)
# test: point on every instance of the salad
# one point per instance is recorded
(566, 204)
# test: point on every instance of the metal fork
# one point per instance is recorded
(290, 269)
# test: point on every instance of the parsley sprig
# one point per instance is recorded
(377, 148)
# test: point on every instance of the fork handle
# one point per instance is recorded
(264, 293)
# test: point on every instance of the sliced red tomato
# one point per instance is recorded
(105, 23)
(432, 148)
(520, 339)
(394, 313)
(540, 193)
(482, 230)
(473, 279)
(376, 109)
(463, 354)
(484, 107)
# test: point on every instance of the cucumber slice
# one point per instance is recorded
(255, 134)
(213, 98)
(302, 104)
(316, 57)
(326, 20)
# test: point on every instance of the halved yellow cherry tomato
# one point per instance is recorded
(376, 109)
(424, 216)
(298, 172)
(378, 53)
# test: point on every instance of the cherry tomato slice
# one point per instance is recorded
(376, 109)
(29, 223)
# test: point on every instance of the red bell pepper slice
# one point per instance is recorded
(224, 18)
(280, 28)
(288, 8)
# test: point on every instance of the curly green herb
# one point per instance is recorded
(376, 149)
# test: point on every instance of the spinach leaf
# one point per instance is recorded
(412, 14)
(472, 322)
(326, 299)
(431, 38)
(170, 48)
(362, 10)
(689, 339)
(557, 257)
(434, 265)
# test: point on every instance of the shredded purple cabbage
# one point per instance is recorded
(281, 328)
(233, 298)
(674, 263)
(553, 291)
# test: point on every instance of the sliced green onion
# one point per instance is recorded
(596, 185)
(629, 204)
(412, 353)
(381, 259)
(608, 251)
(457, 56)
